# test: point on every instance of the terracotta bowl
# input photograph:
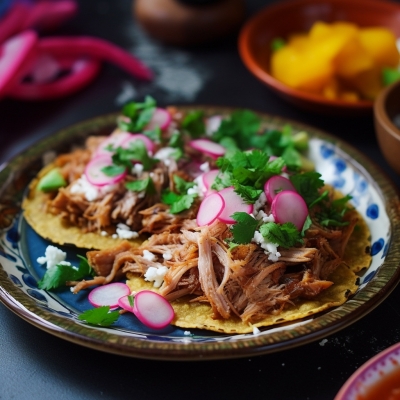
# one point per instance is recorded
(377, 378)
(387, 124)
(290, 16)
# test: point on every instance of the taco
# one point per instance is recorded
(233, 238)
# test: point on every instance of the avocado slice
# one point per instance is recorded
(53, 180)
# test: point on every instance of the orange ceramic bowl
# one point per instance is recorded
(291, 16)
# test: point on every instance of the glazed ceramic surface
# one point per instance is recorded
(284, 18)
(371, 373)
(57, 312)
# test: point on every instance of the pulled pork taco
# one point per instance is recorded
(226, 220)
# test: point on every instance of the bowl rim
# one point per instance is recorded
(245, 37)
(380, 113)
(344, 390)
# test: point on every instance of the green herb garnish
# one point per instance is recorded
(143, 185)
(100, 316)
(139, 115)
(58, 275)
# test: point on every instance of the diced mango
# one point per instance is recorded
(380, 44)
(337, 60)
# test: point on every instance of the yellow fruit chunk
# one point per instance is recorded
(337, 60)
(380, 43)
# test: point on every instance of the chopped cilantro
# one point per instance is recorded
(243, 230)
(58, 275)
(193, 123)
(179, 200)
(139, 115)
(307, 185)
(285, 235)
(332, 213)
(100, 316)
(277, 44)
(153, 134)
(142, 185)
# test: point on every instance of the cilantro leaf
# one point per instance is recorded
(285, 235)
(99, 316)
(307, 185)
(143, 185)
(136, 151)
(332, 213)
(243, 230)
(58, 275)
(178, 202)
(139, 115)
(193, 123)
(181, 185)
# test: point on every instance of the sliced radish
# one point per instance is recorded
(152, 309)
(126, 302)
(208, 147)
(108, 295)
(150, 145)
(96, 176)
(210, 209)
(113, 140)
(277, 184)
(289, 206)
(209, 178)
(161, 118)
(233, 203)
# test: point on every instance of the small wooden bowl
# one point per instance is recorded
(291, 16)
(386, 111)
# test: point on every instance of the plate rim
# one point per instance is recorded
(26, 308)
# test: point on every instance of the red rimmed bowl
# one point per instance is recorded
(377, 379)
(287, 17)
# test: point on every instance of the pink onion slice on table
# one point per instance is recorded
(289, 206)
(210, 209)
(233, 203)
(96, 176)
(277, 184)
(16, 55)
(152, 309)
(108, 295)
(208, 147)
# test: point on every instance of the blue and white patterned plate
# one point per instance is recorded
(56, 312)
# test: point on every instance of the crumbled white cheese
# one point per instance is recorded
(256, 331)
(124, 232)
(137, 169)
(269, 248)
(53, 256)
(167, 256)
(259, 203)
(156, 275)
(103, 233)
(205, 167)
(187, 333)
(148, 255)
(91, 192)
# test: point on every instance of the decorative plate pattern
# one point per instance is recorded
(56, 312)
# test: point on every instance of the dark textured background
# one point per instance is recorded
(36, 364)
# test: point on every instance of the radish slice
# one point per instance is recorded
(152, 309)
(289, 206)
(277, 184)
(125, 302)
(208, 147)
(161, 118)
(108, 295)
(233, 203)
(114, 140)
(209, 178)
(96, 176)
(16, 55)
(150, 145)
(210, 209)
